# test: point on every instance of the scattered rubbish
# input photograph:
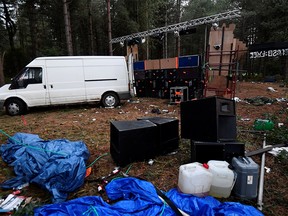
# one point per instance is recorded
(151, 162)
(93, 119)
(20, 187)
(156, 110)
(154, 106)
(236, 99)
(11, 203)
(271, 89)
(88, 172)
(276, 151)
(172, 153)
(281, 99)
(263, 124)
(280, 124)
(259, 100)
(267, 169)
(245, 119)
(122, 112)
(165, 111)
(133, 101)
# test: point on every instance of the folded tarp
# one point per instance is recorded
(56, 165)
(136, 197)
(131, 196)
(209, 206)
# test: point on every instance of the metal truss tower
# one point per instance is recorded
(181, 26)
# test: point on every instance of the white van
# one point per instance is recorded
(67, 80)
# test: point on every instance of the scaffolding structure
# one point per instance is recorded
(180, 26)
(223, 54)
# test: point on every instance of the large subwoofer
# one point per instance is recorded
(132, 141)
(208, 119)
(202, 152)
(168, 133)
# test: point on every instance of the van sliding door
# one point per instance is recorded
(65, 81)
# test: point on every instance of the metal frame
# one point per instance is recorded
(181, 26)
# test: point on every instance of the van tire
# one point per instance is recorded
(110, 99)
(15, 107)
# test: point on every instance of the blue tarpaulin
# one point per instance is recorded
(132, 196)
(56, 165)
(209, 206)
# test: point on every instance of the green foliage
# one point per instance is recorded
(267, 19)
(14, 61)
(194, 44)
(264, 21)
(278, 135)
(41, 29)
(283, 156)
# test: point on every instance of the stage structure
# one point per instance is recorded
(156, 77)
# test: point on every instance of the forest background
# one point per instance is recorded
(32, 28)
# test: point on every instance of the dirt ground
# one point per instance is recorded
(91, 123)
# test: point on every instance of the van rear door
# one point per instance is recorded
(65, 80)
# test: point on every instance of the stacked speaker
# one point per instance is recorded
(154, 78)
(210, 124)
(142, 139)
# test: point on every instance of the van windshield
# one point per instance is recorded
(26, 77)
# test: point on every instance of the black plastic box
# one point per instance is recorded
(202, 152)
(168, 134)
(209, 119)
(132, 141)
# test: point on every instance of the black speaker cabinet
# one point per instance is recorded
(208, 119)
(132, 141)
(168, 132)
(202, 152)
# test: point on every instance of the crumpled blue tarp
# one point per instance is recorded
(138, 197)
(209, 206)
(56, 165)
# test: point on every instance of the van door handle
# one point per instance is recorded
(51, 86)
(44, 86)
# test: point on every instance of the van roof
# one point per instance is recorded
(78, 57)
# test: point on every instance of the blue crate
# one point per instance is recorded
(139, 66)
(189, 61)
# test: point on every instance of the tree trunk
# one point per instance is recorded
(32, 26)
(68, 32)
(10, 25)
(91, 35)
(109, 28)
(178, 45)
(2, 78)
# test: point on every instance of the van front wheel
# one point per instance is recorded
(15, 107)
(110, 99)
